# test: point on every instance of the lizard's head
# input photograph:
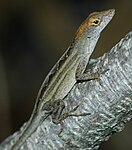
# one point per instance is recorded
(95, 23)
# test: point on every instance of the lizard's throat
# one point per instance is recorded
(87, 44)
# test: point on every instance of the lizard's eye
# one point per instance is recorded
(95, 22)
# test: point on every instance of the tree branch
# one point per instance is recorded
(107, 99)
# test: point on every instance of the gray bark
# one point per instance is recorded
(107, 99)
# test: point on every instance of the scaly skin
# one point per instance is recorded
(65, 73)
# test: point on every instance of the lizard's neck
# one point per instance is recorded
(86, 44)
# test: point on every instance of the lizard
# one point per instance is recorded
(69, 69)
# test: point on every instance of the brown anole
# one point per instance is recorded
(68, 70)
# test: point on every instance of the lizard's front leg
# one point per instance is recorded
(83, 75)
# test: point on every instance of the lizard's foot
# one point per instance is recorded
(100, 71)
(90, 75)
(58, 116)
(69, 114)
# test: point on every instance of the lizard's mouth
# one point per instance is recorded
(108, 15)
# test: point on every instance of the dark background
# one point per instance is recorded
(33, 35)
